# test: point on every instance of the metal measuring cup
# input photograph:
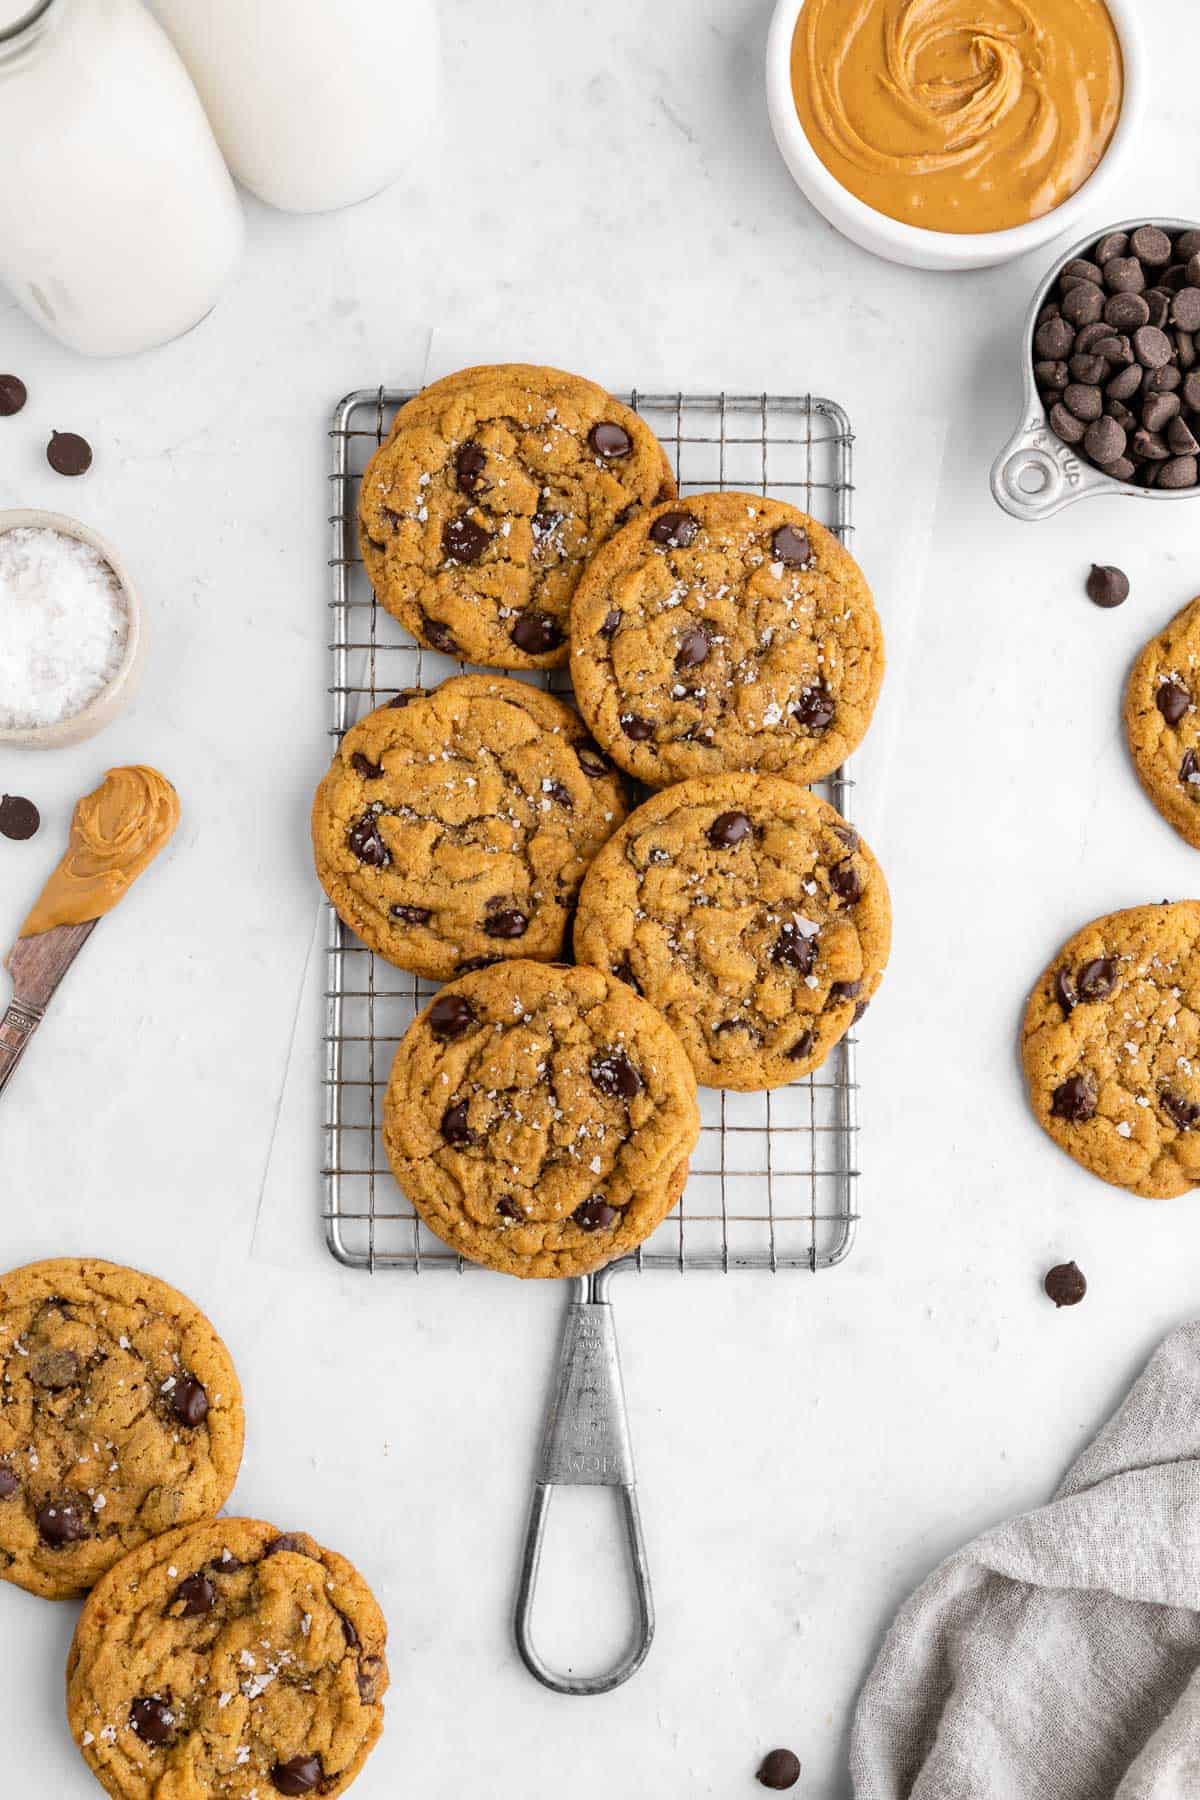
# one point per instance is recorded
(1036, 474)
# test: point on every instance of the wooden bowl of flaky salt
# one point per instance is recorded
(71, 634)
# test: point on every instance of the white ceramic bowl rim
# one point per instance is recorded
(998, 246)
(32, 518)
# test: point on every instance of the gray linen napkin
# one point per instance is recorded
(1057, 1656)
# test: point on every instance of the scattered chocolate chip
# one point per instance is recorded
(507, 922)
(1097, 979)
(1172, 701)
(728, 829)
(637, 729)
(795, 949)
(595, 1214)
(613, 1074)
(609, 440)
(68, 454)
(299, 1775)
(62, 1521)
(438, 635)
(54, 1369)
(13, 395)
(411, 915)
(189, 1401)
(779, 1769)
(449, 1016)
(196, 1595)
(455, 1128)
(365, 842)
(1064, 992)
(846, 881)
(814, 709)
(1074, 1101)
(610, 622)
(802, 1046)
(19, 817)
(694, 646)
(365, 767)
(591, 761)
(1066, 1284)
(464, 540)
(675, 529)
(153, 1720)
(469, 465)
(8, 1482)
(536, 633)
(1106, 585)
(790, 546)
(1181, 1111)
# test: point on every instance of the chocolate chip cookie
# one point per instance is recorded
(1111, 1046)
(228, 1661)
(1162, 721)
(493, 489)
(540, 1118)
(725, 631)
(750, 914)
(120, 1416)
(456, 825)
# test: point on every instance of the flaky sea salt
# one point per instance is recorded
(63, 626)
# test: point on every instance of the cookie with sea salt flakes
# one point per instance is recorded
(1162, 721)
(725, 631)
(750, 914)
(1111, 1047)
(493, 489)
(228, 1661)
(120, 1416)
(456, 825)
(540, 1118)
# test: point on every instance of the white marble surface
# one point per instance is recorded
(606, 191)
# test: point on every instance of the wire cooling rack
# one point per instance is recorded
(773, 1182)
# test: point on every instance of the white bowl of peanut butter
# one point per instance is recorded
(933, 139)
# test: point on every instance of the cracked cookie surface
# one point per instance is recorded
(457, 824)
(121, 1417)
(228, 1661)
(1111, 1047)
(750, 914)
(1162, 721)
(495, 486)
(540, 1118)
(725, 631)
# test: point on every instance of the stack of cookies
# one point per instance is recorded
(213, 1656)
(724, 651)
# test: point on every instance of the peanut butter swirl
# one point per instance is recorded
(953, 116)
(116, 832)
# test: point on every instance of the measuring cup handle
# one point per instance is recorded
(1036, 474)
(586, 1444)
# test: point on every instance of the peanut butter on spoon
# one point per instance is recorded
(116, 832)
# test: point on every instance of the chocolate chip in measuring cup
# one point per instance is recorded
(1104, 441)
(68, 453)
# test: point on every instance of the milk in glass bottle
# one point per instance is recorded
(315, 103)
(119, 224)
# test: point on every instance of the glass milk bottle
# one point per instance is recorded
(119, 225)
(316, 104)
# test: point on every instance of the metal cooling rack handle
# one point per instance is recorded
(586, 1444)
